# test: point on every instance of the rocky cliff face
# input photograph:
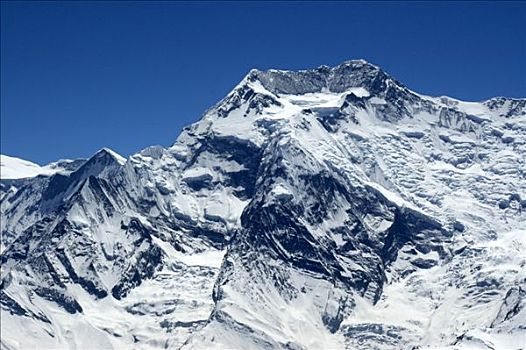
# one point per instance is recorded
(328, 208)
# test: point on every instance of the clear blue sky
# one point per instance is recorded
(78, 76)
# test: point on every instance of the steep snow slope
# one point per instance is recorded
(328, 208)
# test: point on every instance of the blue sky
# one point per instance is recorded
(77, 76)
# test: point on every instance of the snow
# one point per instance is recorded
(377, 101)
(324, 99)
(16, 168)
(359, 92)
(456, 172)
(115, 155)
(281, 192)
(180, 292)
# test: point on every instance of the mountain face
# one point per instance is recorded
(331, 208)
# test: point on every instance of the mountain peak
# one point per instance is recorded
(101, 162)
(357, 63)
(347, 75)
(107, 152)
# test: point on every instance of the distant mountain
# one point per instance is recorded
(15, 168)
(331, 208)
(12, 168)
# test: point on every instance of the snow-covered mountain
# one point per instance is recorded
(331, 208)
(15, 168)
(12, 168)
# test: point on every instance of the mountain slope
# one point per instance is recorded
(328, 208)
(12, 168)
(15, 168)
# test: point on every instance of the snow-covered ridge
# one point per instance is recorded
(15, 168)
(360, 74)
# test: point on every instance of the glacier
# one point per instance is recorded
(330, 208)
